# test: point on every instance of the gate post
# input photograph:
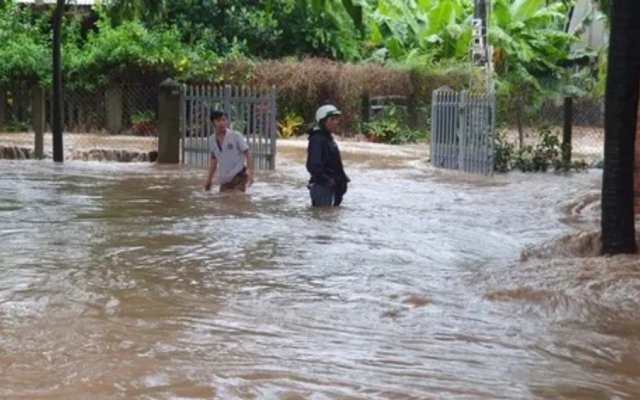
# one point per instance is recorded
(492, 132)
(38, 113)
(463, 131)
(434, 128)
(273, 126)
(227, 104)
(169, 122)
(183, 120)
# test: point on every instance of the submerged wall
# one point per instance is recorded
(27, 153)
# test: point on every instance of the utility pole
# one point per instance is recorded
(480, 49)
(56, 108)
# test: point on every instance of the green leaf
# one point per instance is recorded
(395, 47)
(374, 33)
(522, 10)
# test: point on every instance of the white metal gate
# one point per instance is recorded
(462, 131)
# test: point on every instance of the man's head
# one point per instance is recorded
(328, 117)
(219, 120)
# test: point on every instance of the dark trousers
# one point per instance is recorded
(325, 196)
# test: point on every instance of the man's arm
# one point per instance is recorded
(213, 165)
(249, 157)
(315, 166)
(244, 148)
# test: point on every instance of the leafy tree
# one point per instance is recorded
(131, 50)
(25, 53)
(354, 9)
(148, 10)
(235, 26)
(232, 27)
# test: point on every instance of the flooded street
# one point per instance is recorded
(129, 281)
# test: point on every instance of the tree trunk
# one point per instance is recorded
(636, 169)
(56, 117)
(621, 108)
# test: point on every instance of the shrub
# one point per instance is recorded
(290, 125)
(144, 123)
(542, 157)
(305, 85)
(392, 128)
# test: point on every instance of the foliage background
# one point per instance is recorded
(313, 52)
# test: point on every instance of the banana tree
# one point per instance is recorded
(439, 27)
(529, 34)
(525, 34)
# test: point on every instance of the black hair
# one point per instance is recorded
(216, 114)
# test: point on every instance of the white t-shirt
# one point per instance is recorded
(230, 154)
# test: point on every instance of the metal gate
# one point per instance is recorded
(462, 131)
(251, 112)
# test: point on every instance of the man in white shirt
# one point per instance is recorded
(229, 152)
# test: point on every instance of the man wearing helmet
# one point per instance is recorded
(229, 152)
(328, 183)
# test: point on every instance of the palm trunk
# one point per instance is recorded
(621, 108)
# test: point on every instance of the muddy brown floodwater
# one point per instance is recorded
(128, 281)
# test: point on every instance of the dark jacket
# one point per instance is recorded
(324, 160)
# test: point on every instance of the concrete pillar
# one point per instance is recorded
(113, 104)
(38, 118)
(169, 122)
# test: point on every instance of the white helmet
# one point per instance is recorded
(325, 112)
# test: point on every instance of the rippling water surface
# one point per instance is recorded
(129, 281)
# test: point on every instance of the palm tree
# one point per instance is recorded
(621, 112)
